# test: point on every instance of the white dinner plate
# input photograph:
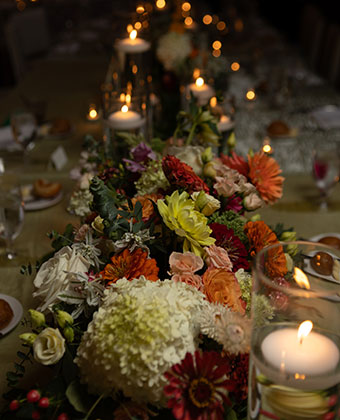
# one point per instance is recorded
(17, 313)
(34, 203)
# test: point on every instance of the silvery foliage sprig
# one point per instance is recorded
(88, 249)
(85, 292)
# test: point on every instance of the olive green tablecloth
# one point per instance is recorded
(69, 87)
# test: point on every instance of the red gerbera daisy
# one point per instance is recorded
(181, 175)
(199, 387)
(225, 238)
(236, 162)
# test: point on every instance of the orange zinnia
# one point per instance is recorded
(264, 174)
(260, 235)
(148, 209)
(221, 286)
(130, 265)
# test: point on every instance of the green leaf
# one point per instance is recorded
(104, 199)
(12, 376)
(78, 397)
(19, 368)
(138, 211)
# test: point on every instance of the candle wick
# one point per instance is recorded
(301, 340)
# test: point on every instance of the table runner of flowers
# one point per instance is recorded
(143, 308)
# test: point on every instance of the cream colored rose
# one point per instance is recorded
(252, 202)
(55, 275)
(49, 346)
(191, 155)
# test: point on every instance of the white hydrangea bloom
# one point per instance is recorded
(173, 48)
(141, 329)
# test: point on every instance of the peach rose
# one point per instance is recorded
(221, 286)
(186, 262)
(217, 257)
(189, 278)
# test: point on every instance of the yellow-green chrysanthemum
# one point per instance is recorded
(179, 214)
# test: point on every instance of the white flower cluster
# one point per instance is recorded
(173, 48)
(139, 332)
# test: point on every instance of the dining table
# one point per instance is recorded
(68, 85)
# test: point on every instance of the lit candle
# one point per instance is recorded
(132, 44)
(125, 119)
(93, 114)
(300, 352)
(225, 123)
(202, 91)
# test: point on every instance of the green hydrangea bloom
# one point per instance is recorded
(152, 179)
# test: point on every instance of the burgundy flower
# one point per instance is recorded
(234, 203)
(226, 239)
(239, 374)
(181, 175)
(199, 386)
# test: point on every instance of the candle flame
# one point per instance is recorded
(301, 278)
(122, 97)
(304, 329)
(213, 101)
(128, 98)
(124, 108)
(93, 113)
(267, 148)
(133, 34)
(199, 81)
(196, 73)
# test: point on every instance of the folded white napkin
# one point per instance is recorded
(7, 141)
(327, 117)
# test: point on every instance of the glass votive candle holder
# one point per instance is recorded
(200, 88)
(294, 367)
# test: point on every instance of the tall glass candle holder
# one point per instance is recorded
(295, 350)
(134, 60)
(127, 113)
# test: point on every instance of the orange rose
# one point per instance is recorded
(221, 286)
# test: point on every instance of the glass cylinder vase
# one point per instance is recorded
(295, 349)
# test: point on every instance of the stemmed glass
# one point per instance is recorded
(24, 126)
(326, 171)
(11, 216)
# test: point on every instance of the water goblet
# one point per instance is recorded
(11, 218)
(326, 170)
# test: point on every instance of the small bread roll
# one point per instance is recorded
(332, 241)
(6, 313)
(278, 128)
(46, 189)
(322, 263)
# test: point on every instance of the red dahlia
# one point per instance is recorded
(199, 386)
(181, 175)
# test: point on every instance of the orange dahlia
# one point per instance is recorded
(130, 265)
(260, 235)
(148, 209)
(264, 174)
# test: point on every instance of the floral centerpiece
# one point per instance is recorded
(143, 310)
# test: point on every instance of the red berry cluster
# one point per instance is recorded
(33, 396)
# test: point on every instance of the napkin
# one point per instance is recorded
(327, 117)
(7, 141)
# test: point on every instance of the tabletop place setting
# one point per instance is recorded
(169, 211)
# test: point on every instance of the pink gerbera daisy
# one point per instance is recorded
(199, 386)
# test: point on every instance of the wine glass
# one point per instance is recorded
(11, 216)
(326, 170)
(24, 127)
